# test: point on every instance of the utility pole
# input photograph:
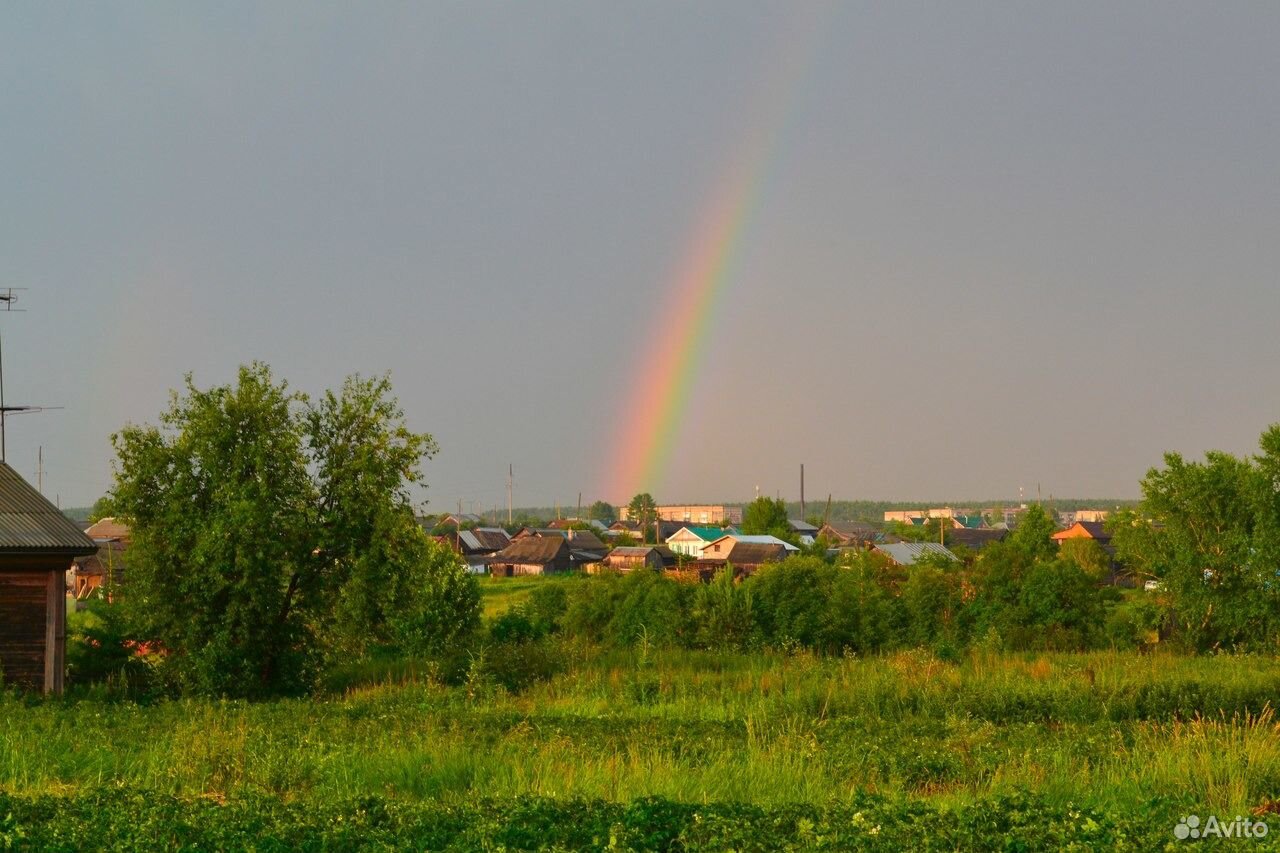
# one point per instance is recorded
(826, 516)
(40, 469)
(510, 471)
(579, 506)
(802, 518)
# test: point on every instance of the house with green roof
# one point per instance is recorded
(692, 538)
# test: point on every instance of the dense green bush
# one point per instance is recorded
(1007, 599)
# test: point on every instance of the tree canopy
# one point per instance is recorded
(271, 532)
(766, 516)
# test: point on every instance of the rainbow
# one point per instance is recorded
(652, 412)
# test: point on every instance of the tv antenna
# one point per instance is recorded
(8, 298)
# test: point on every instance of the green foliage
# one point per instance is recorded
(1033, 535)
(272, 534)
(1210, 531)
(723, 613)
(644, 509)
(767, 516)
(103, 507)
(602, 511)
(789, 601)
(116, 820)
(1091, 557)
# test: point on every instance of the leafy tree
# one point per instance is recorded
(602, 511)
(644, 509)
(1091, 557)
(103, 507)
(766, 516)
(269, 531)
(930, 599)
(1208, 530)
(722, 612)
(1062, 605)
(1033, 535)
(790, 600)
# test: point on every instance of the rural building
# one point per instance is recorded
(477, 545)
(645, 533)
(976, 538)
(37, 546)
(961, 517)
(849, 534)
(532, 555)
(804, 530)
(694, 513)
(691, 539)
(1070, 518)
(746, 558)
(906, 553)
(628, 557)
(1084, 530)
(719, 549)
(105, 568)
(459, 519)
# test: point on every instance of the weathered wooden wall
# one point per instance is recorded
(24, 605)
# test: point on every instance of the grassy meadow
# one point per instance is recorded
(652, 748)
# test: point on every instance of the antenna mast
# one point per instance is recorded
(8, 297)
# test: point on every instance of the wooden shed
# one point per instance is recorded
(37, 545)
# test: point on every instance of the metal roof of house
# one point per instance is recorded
(483, 539)
(107, 528)
(585, 540)
(759, 540)
(906, 553)
(754, 553)
(29, 523)
(705, 532)
(975, 538)
(799, 525)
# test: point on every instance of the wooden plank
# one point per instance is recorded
(55, 633)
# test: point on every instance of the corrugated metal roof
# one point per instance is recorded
(29, 523)
(906, 553)
(483, 539)
(760, 539)
(704, 532)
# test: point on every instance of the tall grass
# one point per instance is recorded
(1108, 729)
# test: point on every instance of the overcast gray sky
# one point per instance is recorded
(995, 245)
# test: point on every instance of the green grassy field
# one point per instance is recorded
(672, 750)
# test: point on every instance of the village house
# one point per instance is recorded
(803, 530)
(37, 546)
(1084, 530)
(907, 553)
(634, 530)
(848, 534)
(459, 519)
(746, 558)
(976, 539)
(628, 557)
(477, 545)
(719, 549)
(533, 555)
(691, 539)
(106, 568)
